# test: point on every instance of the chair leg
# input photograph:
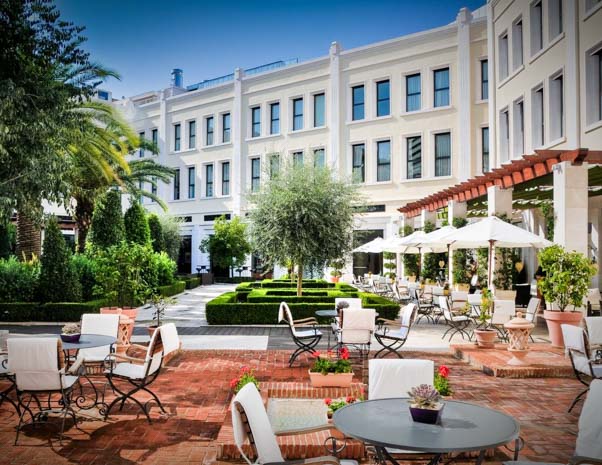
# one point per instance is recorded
(154, 397)
(577, 399)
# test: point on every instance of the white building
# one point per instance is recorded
(403, 117)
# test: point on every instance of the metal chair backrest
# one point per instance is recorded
(358, 325)
(474, 299)
(353, 302)
(35, 363)
(154, 354)
(102, 324)
(532, 309)
(250, 421)
(394, 378)
(459, 296)
(593, 324)
(438, 291)
(407, 315)
(170, 338)
(444, 305)
(576, 344)
(589, 437)
(503, 311)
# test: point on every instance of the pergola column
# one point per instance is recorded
(455, 209)
(570, 206)
(426, 215)
(499, 201)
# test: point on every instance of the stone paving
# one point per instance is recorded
(195, 390)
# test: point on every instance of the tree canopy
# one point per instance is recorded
(228, 245)
(303, 215)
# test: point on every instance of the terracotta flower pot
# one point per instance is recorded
(330, 379)
(554, 319)
(485, 338)
(151, 330)
(334, 279)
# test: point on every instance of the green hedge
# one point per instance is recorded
(288, 292)
(191, 283)
(234, 279)
(55, 311)
(172, 289)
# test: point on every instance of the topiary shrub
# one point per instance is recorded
(156, 233)
(58, 279)
(84, 269)
(136, 225)
(107, 227)
(166, 268)
(18, 280)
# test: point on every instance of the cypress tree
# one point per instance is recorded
(136, 225)
(58, 279)
(156, 233)
(107, 221)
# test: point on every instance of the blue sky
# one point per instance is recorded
(144, 40)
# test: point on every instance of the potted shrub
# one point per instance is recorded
(565, 285)
(425, 404)
(485, 335)
(159, 303)
(331, 372)
(336, 404)
(246, 376)
(336, 272)
(71, 332)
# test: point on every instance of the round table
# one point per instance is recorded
(327, 313)
(88, 341)
(463, 427)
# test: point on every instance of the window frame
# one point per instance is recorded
(361, 105)
(447, 89)
(176, 185)
(192, 182)
(191, 134)
(485, 167)
(484, 95)
(314, 152)
(296, 115)
(315, 97)
(255, 179)
(255, 123)
(209, 181)
(408, 140)
(177, 137)
(155, 136)
(518, 38)
(362, 166)
(225, 179)
(379, 143)
(413, 94)
(436, 135)
(537, 4)
(226, 129)
(141, 136)
(274, 120)
(379, 99)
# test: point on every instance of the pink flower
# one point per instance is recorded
(444, 371)
(344, 353)
(315, 354)
(328, 401)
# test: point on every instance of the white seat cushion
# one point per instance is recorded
(307, 333)
(400, 333)
(69, 381)
(129, 370)
(459, 318)
(597, 369)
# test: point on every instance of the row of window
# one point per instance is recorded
(209, 181)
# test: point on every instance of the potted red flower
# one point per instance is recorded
(441, 383)
(246, 376)
(330, 371)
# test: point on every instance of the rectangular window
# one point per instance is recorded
(319, 161)
(537, 116)
(485, 149)
(208, 180)
(383, 98)
(414, 157)
(441, 78)
(443, 154)
(191, 181)
(141, 150)
(556, 108)
(154, 186)
(177, 130)
(226, 127)
(554, 18)
(357, 98)
(503, 63)
(519, 129)
(383, 161)
(209, 130)
(256, 122)
(319, 110)
(517, 44)
(504, 135)
(298, 158)
(176, 185)
(536, 27)
(155, 136)
(275, 118)
(255, 174)
(413, 92)
(484, 79)
(297, 114)
(593, 85)
(359, 165)
(274, 165)
(192, 134)
(226, 178)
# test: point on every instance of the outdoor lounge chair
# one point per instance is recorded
(588, 449)
(140, 373)
(250, 422)
(575, 341)
(393, 339)
(424, 309)
(38, 367)
(456, 323)
(307, 339)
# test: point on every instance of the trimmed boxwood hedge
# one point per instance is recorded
(191, 283)
(172, 289)
(52, 312)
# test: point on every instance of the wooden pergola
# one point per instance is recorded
(515, 172)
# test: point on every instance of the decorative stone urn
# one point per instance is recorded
(519, 330)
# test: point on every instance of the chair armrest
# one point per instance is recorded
(126, 358)
(579, 459)
(311, 429)
(306, 321)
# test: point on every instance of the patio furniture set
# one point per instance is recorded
(48, 376)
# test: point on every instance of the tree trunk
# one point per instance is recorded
(29, 237)
(299, 279)
(83, 219)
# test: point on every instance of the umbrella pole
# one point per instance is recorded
(419, 263)
(490, 268)
(449, 265)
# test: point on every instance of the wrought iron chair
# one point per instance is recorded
(357, 328)
(38, 367)
(532, 310)
(457, 323)
(588, 449)
(594, 302)
(503, 311)
(6, 375)
(307, 339)
(393, 340)
(251, 423)
(424, 309)
(575, 341)
(593, 325)
(140, 373)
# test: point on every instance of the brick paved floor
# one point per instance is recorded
(195, 391)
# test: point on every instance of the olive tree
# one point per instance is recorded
(303, 215)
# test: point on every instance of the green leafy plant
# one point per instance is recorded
(486, 306)
(246, 376)
(156, 233)
(568, 276)
(136, 225)
(159, 304)
(330, 364)
(336, 404)
(391, 264)
(410, 260)
(441, 383)
(84, 269)
(425, 396)
(337, 267)
(107, 221)
(228, 245)
(166, 268)
(170, 228)
(19, 280)
(460, 257)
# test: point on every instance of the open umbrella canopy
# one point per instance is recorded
(436, 241)
(374, 246)
(407, 244)
(493, 230)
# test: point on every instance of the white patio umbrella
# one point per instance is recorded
(492, 232)
(436, 242)
(374, 246)
(407, 244)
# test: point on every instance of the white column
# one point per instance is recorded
(162, 188)
(400, 262)
(595, 218)
(570, 206)
(334, 111)
(499, 201)
(426, 215)
(493, 162)
(455, 209)
(571, 96)
(464, 94)
(238, 160)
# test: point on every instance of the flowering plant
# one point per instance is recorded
(442, 381)
(246, 376)
(71, 328)
(329, 364)
(335, 404)
(424, 396)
